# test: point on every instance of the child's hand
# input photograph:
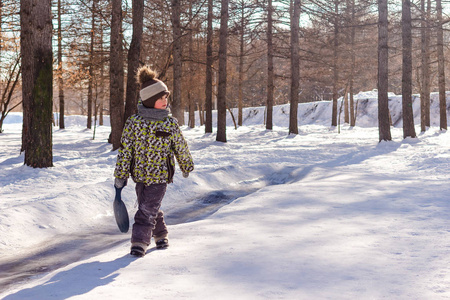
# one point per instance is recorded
(185, 174)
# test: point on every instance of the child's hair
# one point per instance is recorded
(145, 74)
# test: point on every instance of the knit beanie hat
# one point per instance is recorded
(152, 88)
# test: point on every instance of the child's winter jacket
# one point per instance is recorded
(147, 150)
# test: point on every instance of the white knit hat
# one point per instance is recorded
(152, 88)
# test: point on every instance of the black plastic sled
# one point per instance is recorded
(120, 212)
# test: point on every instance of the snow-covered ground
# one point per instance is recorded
(318, 215)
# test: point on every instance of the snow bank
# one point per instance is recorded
(319, 113)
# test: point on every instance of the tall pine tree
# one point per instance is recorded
(37, 82)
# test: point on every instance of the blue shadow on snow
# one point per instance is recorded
(76, 281)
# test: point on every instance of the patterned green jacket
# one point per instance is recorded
(147, 151)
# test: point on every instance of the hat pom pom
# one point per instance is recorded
(145, 74)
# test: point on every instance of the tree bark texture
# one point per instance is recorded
(441, 69)
(384, 129)
(270, 74)
(425, 68)
(1, 34)
(295, 67)
(209, 63)
(408, 117)
(335, 64)
(191, 101)
(352, 71)
(132, 92)
(91, 66)
(102, 81)
(60, 71)
(116, 75)
(177, 107)
(222, 89)
(241, 67)
(37, 82)
(427, 41)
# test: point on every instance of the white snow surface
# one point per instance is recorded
(267, 215)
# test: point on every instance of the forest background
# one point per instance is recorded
(274, 51)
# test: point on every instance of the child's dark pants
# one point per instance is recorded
(149, 219)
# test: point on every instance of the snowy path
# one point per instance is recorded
(61, 251)
(315, 216)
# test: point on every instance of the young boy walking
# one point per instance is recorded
(150, 140)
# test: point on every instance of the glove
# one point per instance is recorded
(120, 182)
(185, 174)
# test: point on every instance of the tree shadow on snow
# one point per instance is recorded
(76, 281)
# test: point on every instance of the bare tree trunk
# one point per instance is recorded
(60, 70)
(201, 115)
(222, 91)
(441, 69)
(102, 80)
(295, 67)
(191, 72)
(37, 82)
(133, 59)
(177, 107)
(352, 70)
(241, 67)
(346, 107)
(26, 48)
(384, 129)
(91, 67)
(351, 7)
(209, 78)
(1, 40)
(408, 118)
(335, 63)
(427, 39)
(116, 75)
(425, 78)
(270, 75)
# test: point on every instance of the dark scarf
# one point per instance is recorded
(152, 114)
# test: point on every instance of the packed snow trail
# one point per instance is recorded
(61, 251)
(54, 254)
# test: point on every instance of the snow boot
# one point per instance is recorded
(138, 249)
(162, 243)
